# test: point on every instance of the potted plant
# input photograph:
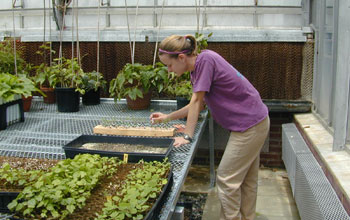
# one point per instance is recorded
(180, 88)
(7, 59)
(183, 93)
(92, 84)
(44, 76)
(12, 87)
(133, 82)
(8, 65)
(67, 81)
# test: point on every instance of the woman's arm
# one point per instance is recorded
(159, 117)
(194, 108)
(181, 113)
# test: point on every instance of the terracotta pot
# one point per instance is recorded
(139, 103)
(27, 102)
(50, 95)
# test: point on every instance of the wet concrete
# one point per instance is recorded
(275, 200)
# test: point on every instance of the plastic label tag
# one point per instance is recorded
(126, 158)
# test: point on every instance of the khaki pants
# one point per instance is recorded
(237, 174)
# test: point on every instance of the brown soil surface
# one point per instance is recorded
(28, 163)
(107, 187)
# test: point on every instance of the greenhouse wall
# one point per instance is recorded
(266, 41)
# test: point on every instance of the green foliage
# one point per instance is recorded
(44, 72)
(7, 59)
(202, 41)
(65, 188)
(18, 177)
(11, 85)
(161, 77)
(67, 73)
(142, 186)
(134, 80)
(93, 80)
(180, 86)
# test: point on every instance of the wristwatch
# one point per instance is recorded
(187, 137)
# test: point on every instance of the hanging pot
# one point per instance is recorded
(67, 100)
(91, 97)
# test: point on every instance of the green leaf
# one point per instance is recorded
(31, 203)
(38, 184)
(12, 205)
(71, 208)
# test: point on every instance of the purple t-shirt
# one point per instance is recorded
(233, 101)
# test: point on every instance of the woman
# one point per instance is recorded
(234, 104)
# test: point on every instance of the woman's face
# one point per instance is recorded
(177, 65)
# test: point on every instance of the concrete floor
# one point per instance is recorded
(275, 200)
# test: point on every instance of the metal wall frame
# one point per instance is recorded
(259, 29)
(331, 87)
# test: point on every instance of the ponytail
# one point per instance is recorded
(175, 45)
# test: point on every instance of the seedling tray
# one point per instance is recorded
(158, 205)
(74, 147)
(5, 199)
(153, 213)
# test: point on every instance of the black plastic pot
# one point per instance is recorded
(67, 100)
(91, 97)
(181, 102)
(73, 148)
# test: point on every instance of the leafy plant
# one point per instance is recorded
(179, 86)
(67, 73)
(161, 77)
(64, 189)
(44, 72)
(18, 177)
(12, 85)
(202, 41)
(134, 80)
(7, 59)
(92, 81)
(142, 186)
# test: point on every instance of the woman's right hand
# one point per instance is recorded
(158, 117)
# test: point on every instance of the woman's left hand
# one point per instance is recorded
(180, 141)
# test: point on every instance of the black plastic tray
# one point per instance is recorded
(154, 212)
(5, 199)
(3, 113)
(73, 148)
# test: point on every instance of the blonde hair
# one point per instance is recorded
(176, 44)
